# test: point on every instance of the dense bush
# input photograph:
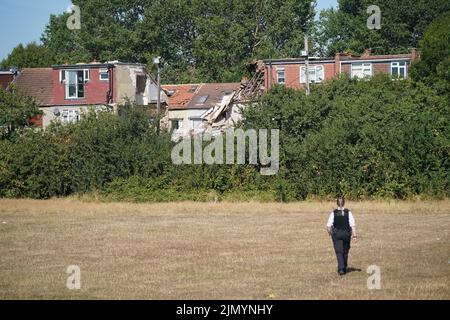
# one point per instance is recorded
(81, 157)
(433, 68)
(378, 138)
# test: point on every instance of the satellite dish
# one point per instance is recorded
(56, 112)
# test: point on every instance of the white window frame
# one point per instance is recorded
(103, 71)
(314, 67)
(62, 76)
(278, 75)
(192, 122)
(70, 116)
(396, 64)
(67, 83)
(364, 66)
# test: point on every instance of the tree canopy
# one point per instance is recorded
(403, 23)
(212, 40)
(16, 110)
(199, 40)
(30, 56)
(433, 68)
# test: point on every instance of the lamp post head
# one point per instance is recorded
(156, 60)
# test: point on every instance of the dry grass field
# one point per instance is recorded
(220, 251)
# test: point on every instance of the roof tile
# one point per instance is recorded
(37, 83)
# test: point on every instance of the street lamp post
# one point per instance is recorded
(307, 65)
(156, 61)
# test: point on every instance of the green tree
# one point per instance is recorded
(402, 25)
(199, 40)
(433, 68)
(377, 138)
(231, 33)
(16, 110)
(30, 56)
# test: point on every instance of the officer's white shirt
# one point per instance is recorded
(351, 220)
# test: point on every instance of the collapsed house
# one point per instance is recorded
(228, 113)
(190, 104)
(210, 107)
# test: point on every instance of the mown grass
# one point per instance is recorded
(187, 250)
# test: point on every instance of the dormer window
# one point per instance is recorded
(75, 81)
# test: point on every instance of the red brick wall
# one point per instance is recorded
(95, 90)
(332, 68)
(292, 73)
(377, 67)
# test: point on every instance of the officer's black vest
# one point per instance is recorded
(341, 222)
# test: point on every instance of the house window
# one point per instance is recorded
(104, 74)
(202, 99)
(361, 70)
(62, 76)
(315, 74)
(196, 123)
(280, 76)
(398, 69)
(75, 83)
(70, 116)
(141, 81)
(177, 124)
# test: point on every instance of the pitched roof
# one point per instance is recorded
(180, 95)
(198, 96)
(36, 83)
(210, 94)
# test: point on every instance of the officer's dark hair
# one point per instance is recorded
(340, 202)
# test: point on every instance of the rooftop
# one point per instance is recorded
(343, 56)
(96, 64)
(198, 96)
(36, 83)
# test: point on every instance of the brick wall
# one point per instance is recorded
(95, 90)
(377, 67)
(292, 73)
(340, 64)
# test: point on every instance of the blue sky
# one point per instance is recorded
(23, 21)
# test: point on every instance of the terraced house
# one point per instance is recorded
(64, 92)
(214, 107)
(291, 72)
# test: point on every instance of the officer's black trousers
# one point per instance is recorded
(341, 242)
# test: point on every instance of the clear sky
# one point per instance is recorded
(23, 21)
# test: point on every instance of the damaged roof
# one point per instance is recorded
(36, 83)
(180, 95)
(198, 96)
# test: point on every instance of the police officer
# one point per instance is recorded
(341, 228)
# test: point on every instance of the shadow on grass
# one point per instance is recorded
(353, 270)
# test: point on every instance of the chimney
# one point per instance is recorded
(414, 54)
(337, 63)
(367, 53)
